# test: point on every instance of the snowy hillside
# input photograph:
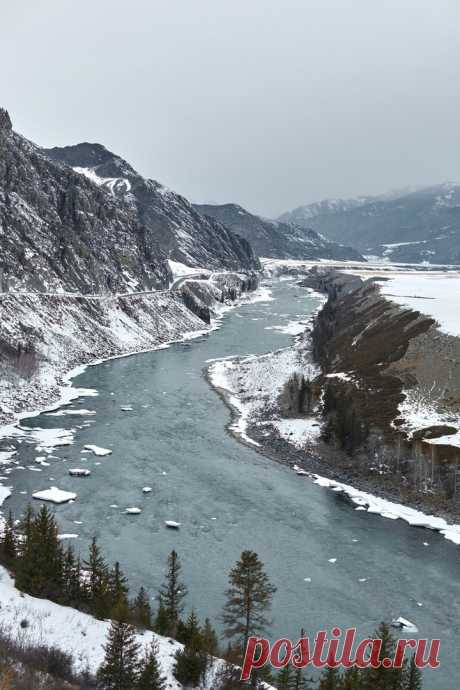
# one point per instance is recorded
(73, 632)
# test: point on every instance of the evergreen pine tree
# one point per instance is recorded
(383, 678)
(150, 677)
(299, 682)
(191, 663)
(162, 626)
(142, 613)
(352, 680)
(26, 523)
(249, 599)
(71, 578)
(330, 679)
(9, 541)
(40, 567)
(121, 665)
(284, 678)
(98, 585)
(412, 676)
(173, 592)
(210, 640)
(118, 585)
(192, 630)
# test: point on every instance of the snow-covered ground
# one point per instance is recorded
(73, 632)
(264, 375)
(432, 294)
(419, 412)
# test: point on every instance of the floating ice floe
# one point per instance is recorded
(79, 472)
(67, 536)
(126, 408)
(41, 460)
(172, 524)
(404, 624)
(54, 495)
(133, 511)
(332, 560)
(97, 450)
(71, 412)
(147, 489)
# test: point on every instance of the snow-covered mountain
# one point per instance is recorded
(408, 226)
(277, 239)
(183, 234)
(100, 227)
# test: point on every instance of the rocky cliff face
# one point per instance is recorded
(374, 355)
(182, 233)
(414, 226)
(276, 239)
(84, 272)
(61, 232)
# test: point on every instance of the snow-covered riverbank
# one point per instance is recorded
(252, 387)
(120, 327)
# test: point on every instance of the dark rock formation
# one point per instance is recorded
(180, 230)
(371, 353)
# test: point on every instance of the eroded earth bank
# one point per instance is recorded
(367, 395)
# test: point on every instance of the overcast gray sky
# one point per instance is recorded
(268, 103)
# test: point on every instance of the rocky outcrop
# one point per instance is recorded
(182, 233)
(59, 232)
(373, 355)
(277, 239)
(5, 120)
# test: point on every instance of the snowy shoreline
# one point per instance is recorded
(297, 431)
(67, 392)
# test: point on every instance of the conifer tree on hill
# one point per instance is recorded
(173, 593)
(141, 610)
(249, 599)
(383, 678)
(150, 677)
(40, 567)
(9, 543)
(412, 676)
(121, 667)
(98, 584)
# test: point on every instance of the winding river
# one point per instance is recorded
(229, 497)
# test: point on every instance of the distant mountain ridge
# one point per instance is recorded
(277, 239)
(421, 225)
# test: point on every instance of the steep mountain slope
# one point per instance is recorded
(60, 232)
(182, 233)
(274, 238)
(422, 225)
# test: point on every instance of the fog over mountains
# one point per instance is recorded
(409, 226)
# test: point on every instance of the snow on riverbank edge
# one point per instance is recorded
(222, 374)
(69, 393)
